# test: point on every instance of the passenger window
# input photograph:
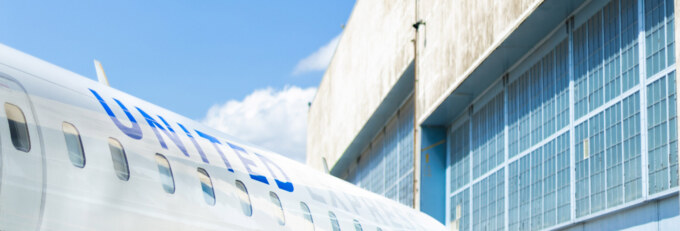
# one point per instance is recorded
(307, 215)
(167, 179)
(206, 186)
(244, 198)
(120, 163)
(277, 206)
(357, 226)
(334, 221)
(73, 144)
(17, 127)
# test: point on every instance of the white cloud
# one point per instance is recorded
(319, 60)
(275, 120)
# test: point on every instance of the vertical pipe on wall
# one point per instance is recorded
(415, 103)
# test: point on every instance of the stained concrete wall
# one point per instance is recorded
(457, 36)
(376, 48)
(373, 52)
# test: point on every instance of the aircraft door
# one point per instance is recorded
(21, 160)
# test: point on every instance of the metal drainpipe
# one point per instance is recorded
(416, 25)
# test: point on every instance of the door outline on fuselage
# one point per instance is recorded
(37, 142)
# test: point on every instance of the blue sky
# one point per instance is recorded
(191, 57)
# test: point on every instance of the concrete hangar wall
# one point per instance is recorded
(528, 114)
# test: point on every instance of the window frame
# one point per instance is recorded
(123, 157)
(171, 190)
(246, 208)
(357, 225)
(69, 148)
(335, 223)
(210, 198)
(14, 130)
(274, 198)
(307, 215)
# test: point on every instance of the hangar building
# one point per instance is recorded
(507, 115)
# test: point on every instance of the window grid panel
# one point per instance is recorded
(658, 21)
(488, 202)
(563, 178)
(536, 189)
(608, 137)
(548, 89)
(672, 130)
(376, 166)
(513, 196)
(630, 73)
(460, 210)
(632, 147)
(513, 123)
(670, 32)
(597, 176)
(524, 192)
(488, 151)
(614, 158)
(612, 48)
(562, 85)
(549, 184)
(581, 145)
(460, 157)
(595, 78)
(580, 71)
(657, 139)
(535, 104)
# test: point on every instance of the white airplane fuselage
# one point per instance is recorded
(43, 188)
